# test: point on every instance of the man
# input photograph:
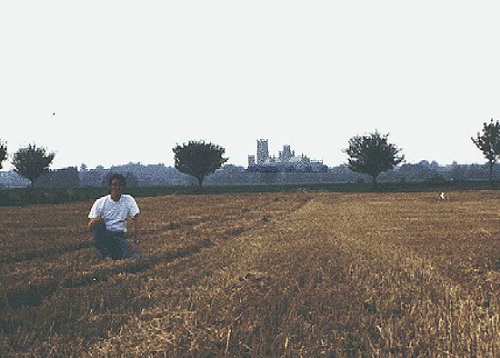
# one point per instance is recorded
(108, 222)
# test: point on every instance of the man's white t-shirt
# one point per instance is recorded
(115, 213)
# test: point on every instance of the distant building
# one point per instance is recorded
(251, 160)
(262, 151)
(286, 154)
(287, 161)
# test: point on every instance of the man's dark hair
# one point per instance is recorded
(118, 177)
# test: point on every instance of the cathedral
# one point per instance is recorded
(286, 161)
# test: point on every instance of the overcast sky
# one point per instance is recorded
(128, 80)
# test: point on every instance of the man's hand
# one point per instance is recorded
(135, 246)
(94, 221)
(137, 226)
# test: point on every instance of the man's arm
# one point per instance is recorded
(137, 227)
(95, 214)
(93, 221)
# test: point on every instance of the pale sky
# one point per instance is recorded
(128, 80)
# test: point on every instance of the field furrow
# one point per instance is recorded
(282, 274)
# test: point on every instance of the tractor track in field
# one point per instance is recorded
(46, 253)
(52, 252)
(283, 275)
(34, 294)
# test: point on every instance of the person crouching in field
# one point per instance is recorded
(108, 222)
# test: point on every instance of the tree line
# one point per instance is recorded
(138, 175)
(370, 155)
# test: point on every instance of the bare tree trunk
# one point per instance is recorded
(374, 182)
(491, 171)
(30, 190)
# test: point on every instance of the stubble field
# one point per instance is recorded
(277, 274)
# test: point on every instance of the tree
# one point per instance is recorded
(32, 161)
(198, 159)
(3, 152)
(489, 143)
(59, 178)
(372, 154)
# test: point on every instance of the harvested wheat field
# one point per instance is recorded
(252, 275)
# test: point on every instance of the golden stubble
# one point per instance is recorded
(282, 274)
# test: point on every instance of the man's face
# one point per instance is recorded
(116, 187)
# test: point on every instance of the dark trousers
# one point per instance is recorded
(110, 243)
